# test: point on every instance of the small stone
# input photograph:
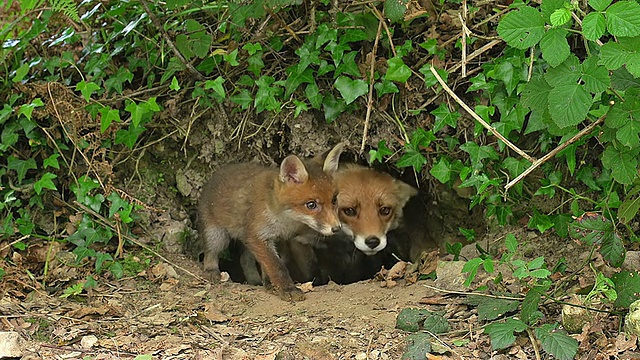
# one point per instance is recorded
(361, 356)
(11, 345)
(88, 341)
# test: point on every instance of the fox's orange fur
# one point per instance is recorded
(259, 205)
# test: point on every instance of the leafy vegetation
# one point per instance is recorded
(85, 85)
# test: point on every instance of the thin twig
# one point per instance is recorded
(463, 42)
(554, 152)
(170, 43)
(534, 343)
(478, 118)
(367, 118)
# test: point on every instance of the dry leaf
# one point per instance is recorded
(306, 287)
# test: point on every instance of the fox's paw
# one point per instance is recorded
(291, 294)
(214, 276)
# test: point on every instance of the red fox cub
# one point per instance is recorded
(370, 204)
(259, 205)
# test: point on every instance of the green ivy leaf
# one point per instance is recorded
(441, 170)
(51, 161)
(216, 86)
(313, 95)
(556, 342)
(350, 89)
(242, 98)
(554, 46)
(107, 116)
(593, 26)
(412, 158)
(397, 70)
(45, 182)
(21, 72)
(539, 221)
(623, 18)
(380, 153)
(444, 117)
(569, 104)
(116, 269)
(333, 107)
(523, 28)
(175, 86)
(385, 87)
(349, 65)
(87, 89)
(27, 109)
(478, 153)
(129, 136)
(21, 166)
(501, 334)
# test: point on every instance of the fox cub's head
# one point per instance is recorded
(309, 193)
(370, 204)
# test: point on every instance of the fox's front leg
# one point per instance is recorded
(275, 269)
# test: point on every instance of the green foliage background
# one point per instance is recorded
(84, 86)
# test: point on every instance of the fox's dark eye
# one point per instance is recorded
(350, 212)
(385, 210)
(334, 200)
(311, 205)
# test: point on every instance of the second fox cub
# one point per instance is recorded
(259, 205)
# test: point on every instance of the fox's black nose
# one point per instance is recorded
(372, 242)
(335, 229)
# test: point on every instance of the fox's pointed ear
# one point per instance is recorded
(293, 170)
(333, 159)
(404, 192)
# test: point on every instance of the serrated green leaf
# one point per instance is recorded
(628, 134)
(629, 208)
(523, 28)
(436, 324)
(554, 46)
(569, 104)
(411, 320)
(613, 55)
(418, 346)
(45, 182)
(350, 89)
(623, 18)
(397, 70)
(569, 72)
(560, 17)
(627, 285)
(596, 77)
(623, 164)
(441, 170)
(395, 9)
(511, 243)
(502, 334)
(590, 228)
(556, 342)
(612, 249)
(536, 94)
(530, 313)
(599, 5)
(593, 26)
